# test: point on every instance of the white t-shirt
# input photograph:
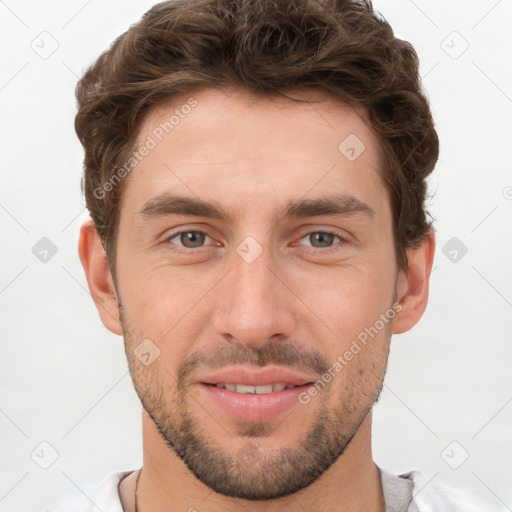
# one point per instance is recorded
(409, 492)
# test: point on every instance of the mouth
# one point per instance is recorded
(256, 390)
(252, 396)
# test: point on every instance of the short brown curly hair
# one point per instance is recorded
(341, 46)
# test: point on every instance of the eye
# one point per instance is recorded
(194, 239)
(188, 239)
(321, 239)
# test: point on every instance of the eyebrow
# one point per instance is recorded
(337, 205)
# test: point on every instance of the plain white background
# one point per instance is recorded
(64, 378)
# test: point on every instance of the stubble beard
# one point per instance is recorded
(252, 472)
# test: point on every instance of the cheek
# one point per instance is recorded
(345, 300)
(164, 305)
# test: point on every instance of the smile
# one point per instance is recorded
(258, 390)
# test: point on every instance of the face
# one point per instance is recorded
(255, 248)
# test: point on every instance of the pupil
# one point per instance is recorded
(192, 239)
(325, 239)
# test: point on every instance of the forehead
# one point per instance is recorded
(234, 147)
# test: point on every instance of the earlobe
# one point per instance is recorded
(413, 285)
(99, 277)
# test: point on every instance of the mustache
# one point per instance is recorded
(272, 353)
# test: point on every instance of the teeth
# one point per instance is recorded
(261, 390)
(258, 390)
(241, 388)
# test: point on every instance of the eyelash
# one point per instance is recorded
(188, 250)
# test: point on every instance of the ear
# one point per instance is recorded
(99, 277)
(412, 289)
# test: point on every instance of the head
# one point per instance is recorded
(256, 178)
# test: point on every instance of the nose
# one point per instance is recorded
(254, 305)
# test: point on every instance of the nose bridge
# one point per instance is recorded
(253, 306)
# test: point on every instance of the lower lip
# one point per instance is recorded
(251, 406)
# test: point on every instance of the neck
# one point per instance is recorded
(352, 483)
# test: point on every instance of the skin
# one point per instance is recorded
(208, 307)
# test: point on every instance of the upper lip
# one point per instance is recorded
(259, 377)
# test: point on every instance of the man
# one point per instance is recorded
(256, 178)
